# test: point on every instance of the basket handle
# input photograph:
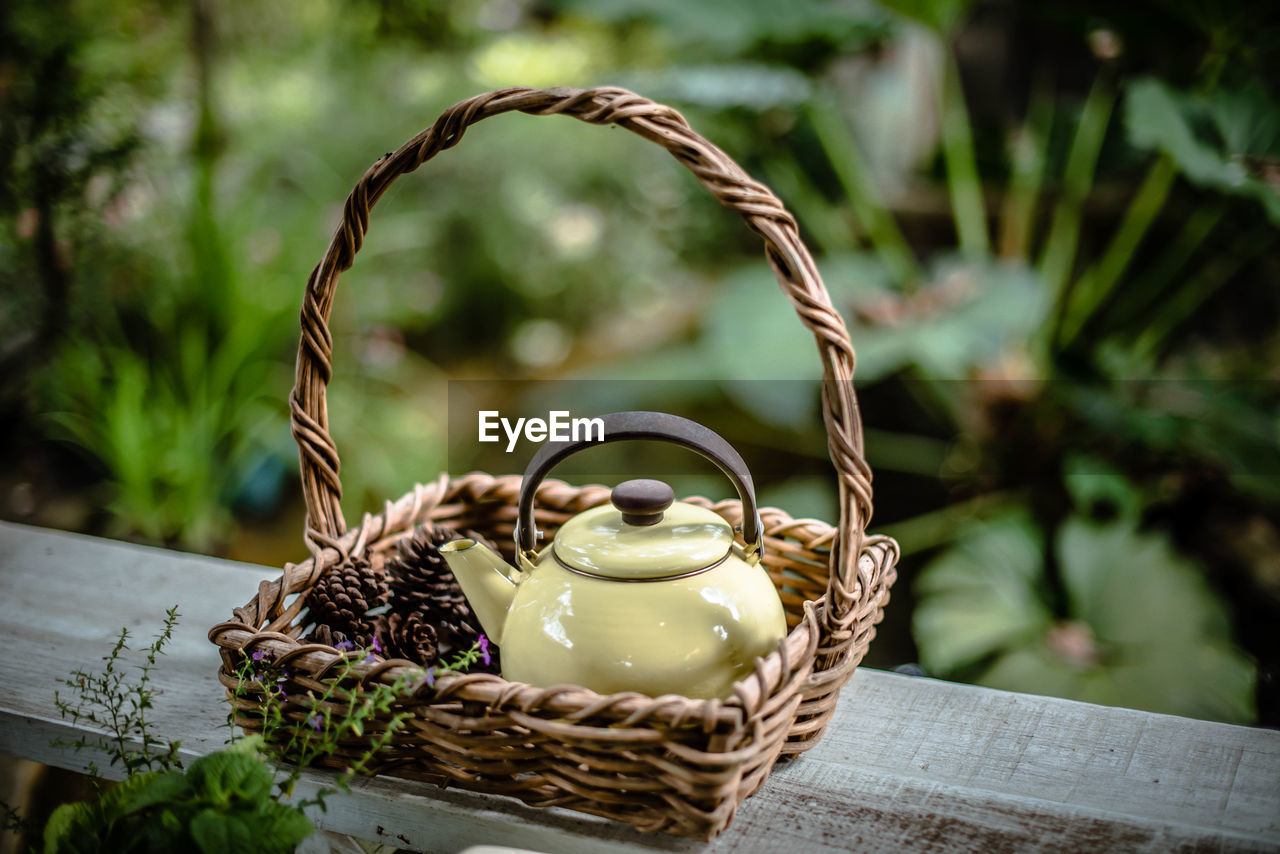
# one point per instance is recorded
(764, 214)
(651, 426)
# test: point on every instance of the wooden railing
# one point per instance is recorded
(907, 763)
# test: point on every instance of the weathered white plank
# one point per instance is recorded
(908, 764)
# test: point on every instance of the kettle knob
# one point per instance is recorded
(642, 501)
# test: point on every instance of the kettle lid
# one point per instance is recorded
(643, 534)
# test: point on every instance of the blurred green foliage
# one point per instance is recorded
(1144, 629)
(1050, 231)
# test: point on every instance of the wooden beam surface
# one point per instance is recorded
(908, 764)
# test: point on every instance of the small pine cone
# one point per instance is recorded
(418, 566)
(424, 542)
(422, 583)
(410, 636)
(343, 596)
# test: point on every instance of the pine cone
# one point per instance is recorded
(423, 585)
(417, 566)
(341, 598)
(409, 636)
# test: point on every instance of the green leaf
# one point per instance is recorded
(250, 745)
(278, 828)
(267, 827)
(145, 790)
(979, 597)
(169, 821)
(1212, 138)
(1177, 677)
(1143, 629)
(1133, 588)
(223, 776)
(1247, 119)
(1165, 633)
(1095, 486)
(770, 360)
(969, 315)
(161, 830)
(71, 828)
(216, 833)
(755, 342)
(1031, 669)
(1212, 680)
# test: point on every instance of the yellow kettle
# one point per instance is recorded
(642, 594)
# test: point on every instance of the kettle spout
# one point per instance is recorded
(485, 580)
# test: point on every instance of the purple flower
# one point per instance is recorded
(370, 658)
(261, 655)
(484, 650)
(431, 676)
(377, 647)
(314, 721)
(345, 645)
(281, 692)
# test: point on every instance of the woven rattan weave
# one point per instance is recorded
(666, 763)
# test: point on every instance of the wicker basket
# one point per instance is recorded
(668, 763)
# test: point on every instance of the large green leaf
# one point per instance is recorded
(249, 745)
(142, 791)
(979, 597)
(969, 315)
(1143, 629)
(1215, 139)
(226, 776)
(71, 828)
(754, 340)
(216, 832)
(1097, 488)
(1133, 588)
(279, 828)
(756, 348)
(1198, 680)
(1163, 633)
(267, 828)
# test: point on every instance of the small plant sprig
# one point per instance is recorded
(479, 651)
(223, 802)
(318, 725)
(11, 821)
(112, 702)
(315, 728)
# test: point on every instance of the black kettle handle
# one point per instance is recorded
(653, 426)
